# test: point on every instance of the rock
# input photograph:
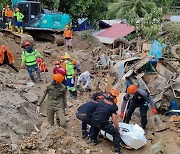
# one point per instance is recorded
(115, 57)
(157, 148)
(51, 151)
(88, 151)
(85, 57)
(48, 52)
(30, 84)
(31, 97)
(4, 70)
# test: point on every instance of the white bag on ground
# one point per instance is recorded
(132, 135)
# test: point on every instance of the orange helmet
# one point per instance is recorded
(74, 62)
(3, 47)
(132, 89)
(58, 78)
(114, 92)
(57, 63)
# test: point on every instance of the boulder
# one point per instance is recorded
(31, 97)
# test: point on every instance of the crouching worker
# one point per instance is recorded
(137, 97)
(84, 113)
(85, 79)
(56, 101)
(6, 57)
(100, 119)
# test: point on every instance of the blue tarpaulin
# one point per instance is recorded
(156, 49)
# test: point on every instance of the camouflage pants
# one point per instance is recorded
(60, 117)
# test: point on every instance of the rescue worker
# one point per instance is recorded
(59, 70)
(29, 56)
(70, 77)
(4, 17)
(99, 95)
(77, 66)
(9, 16)
(56, 101)
(6, 57)
(19, 23)
(100, 119)
(68, 37)
(84, 113)
(136, 97)
(85, 78)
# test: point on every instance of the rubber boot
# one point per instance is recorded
(18, 31)
(74, 93)
(12, 28)
(21, 31)
(32, 78)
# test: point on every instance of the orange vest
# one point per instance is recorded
(9, 13)
(68, 34)
(63, 65)
(10, 56)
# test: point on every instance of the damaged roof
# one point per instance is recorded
(109, 35)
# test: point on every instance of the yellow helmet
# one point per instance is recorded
(67, 57)
(7, 6)
(67, 26)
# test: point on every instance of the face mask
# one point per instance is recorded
(57, 65)
(131, 95)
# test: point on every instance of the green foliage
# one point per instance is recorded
(87, 36)
(119, 9)
(4, 3)
(173, 32)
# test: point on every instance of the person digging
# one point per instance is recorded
(136, 97)
(56, 101)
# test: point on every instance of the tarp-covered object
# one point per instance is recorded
(84, 24)
(156, 49)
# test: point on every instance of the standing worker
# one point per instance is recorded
(4, 17)
(56, 101)
(19, 23)
(70, 77)
(77, 66)
(68, 37)
(29, 56)
(85, 79)
(100, 119)
(9, 16)
(137, 97)
(6, 57)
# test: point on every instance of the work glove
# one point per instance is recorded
(38, 109)
(122, 115)
(72, 81)
(154, 111)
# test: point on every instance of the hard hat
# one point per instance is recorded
(3, 47)
(27, 44)
(74, 62)
(17, 9)
(7, 6)
(58, 78)
(57, 63)
(62, 57)
(67, 57)
(132, 89)
(67, 26)
(114, 92)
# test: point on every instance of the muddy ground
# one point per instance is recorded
(24, 131)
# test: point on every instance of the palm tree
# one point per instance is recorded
(119, 8)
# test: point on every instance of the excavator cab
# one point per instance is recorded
(31, 11)
(37, 18)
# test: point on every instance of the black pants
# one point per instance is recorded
(11, 65)
(143, 112)
(108, 128)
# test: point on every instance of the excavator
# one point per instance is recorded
(39, 23)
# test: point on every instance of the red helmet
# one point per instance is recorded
(27, 44)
